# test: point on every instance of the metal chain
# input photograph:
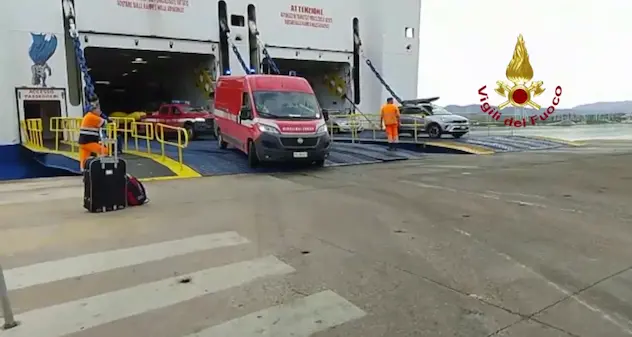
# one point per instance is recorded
(224, 28)
(252, 26)
(88, 87)
(83, 66)
(374, 70)
(269, 60)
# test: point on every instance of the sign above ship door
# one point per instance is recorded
(37, 109)
(177, 19)
(324, 25)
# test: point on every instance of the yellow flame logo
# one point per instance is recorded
(519, 72)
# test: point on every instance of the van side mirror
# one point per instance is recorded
(245, 113)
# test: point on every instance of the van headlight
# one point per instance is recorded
(322, 129)
(268, 129)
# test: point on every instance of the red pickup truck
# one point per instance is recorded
(196, 121)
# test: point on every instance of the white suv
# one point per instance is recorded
(432, 119)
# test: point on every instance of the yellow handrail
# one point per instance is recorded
(148, 136)
(124, 125)
(68, 127)
(32, 130)
(373, 120)
(183, 140)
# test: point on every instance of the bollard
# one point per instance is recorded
(9, 320)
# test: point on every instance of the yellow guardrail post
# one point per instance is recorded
(111, 130)
(124, 125)
(183, 140)
(148, 136)
(354, 128)
(68, 128)
(56, 128)
(71, 126)
(33, 128)
(23, 131)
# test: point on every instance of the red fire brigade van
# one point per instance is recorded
(270, 118)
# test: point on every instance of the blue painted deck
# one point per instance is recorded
(205, 157)
(58, 161)
(19, 162)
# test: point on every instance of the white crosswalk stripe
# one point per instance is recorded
(46, 272)
(299, 317)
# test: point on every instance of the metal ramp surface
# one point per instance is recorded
(470, 143)
(205, 157)
(64, 158)
(512, 143)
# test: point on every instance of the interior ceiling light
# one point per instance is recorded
(164, 56)
(139, 60)
(125, 74)
(134, 70)
(102, 82)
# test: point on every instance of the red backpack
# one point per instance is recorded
(136, 194)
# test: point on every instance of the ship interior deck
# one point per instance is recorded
(320, 75)
(129, 80)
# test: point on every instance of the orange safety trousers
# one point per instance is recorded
(392, 132)
(86, 150)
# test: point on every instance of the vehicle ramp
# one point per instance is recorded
(469, 144)
(513, 143)
(59, 154)
(68, 160)
(206, 158)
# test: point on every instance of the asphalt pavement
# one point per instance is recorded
(517, 244)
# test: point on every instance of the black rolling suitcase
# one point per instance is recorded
(105, 183)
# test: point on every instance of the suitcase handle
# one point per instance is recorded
(113, 158)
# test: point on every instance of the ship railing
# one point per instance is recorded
(32, 132)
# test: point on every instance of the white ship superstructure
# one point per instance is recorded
(141, 52)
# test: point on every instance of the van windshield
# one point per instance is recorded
(286, 105)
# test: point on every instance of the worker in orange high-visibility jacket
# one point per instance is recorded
(389, 118)
(89, 133)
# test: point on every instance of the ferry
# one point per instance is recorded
(136, 54)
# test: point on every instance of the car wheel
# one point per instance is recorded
(190, 131)
(434, 131)
(220, 140)
(319, 163)
(458, 135)
(253, 160)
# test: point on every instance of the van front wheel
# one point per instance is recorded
(253, 160)
(220, 140)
